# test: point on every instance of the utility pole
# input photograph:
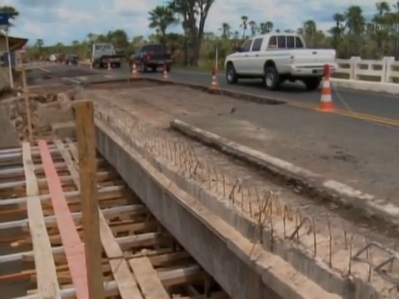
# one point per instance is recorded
(5, 25)
(9, 57)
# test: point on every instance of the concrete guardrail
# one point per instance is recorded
(371, 75)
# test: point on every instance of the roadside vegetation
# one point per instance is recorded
(352, 35)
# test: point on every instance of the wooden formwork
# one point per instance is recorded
(40, 196)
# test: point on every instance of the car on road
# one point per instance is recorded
(71, 59)
(151, 56)
(104, 55)
(278, 57)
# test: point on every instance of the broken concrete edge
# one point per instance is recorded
(339, 193)
(265, 264)
(301, 259)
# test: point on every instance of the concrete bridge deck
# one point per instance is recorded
(247, 230)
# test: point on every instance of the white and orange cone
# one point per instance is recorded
(134, 71)
(214, 84)
(326, 103)
(165, 73)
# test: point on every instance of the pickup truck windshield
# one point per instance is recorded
(153, 48)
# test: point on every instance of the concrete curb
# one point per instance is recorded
(332, 190)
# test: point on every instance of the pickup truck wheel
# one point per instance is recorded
(272, 80)
(231, 75)
(312, 83)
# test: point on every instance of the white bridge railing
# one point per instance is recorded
(374, 75)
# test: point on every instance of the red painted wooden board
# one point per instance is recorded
(74, 249)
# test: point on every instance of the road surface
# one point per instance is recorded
(348, 101)
(369, 106)
(360, 153)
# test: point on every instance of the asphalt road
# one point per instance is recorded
(368, 106)
(365, 104)
(350, 101)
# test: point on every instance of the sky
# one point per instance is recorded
(67, 20)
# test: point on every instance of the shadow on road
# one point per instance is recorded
(284, 88)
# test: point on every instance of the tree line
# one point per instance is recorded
(353, 34)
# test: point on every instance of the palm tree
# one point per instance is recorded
(226, 30)
(161, 17)
(253, 26)
(118, 38)
(396, 30)
(355, 22)
(266, 27)
(39, 45)
(310, 30)
(338, 30)
(244, 25)
(382, 22)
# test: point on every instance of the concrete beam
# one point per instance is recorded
(219, 248)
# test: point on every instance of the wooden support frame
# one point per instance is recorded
(84, 113)
(72, 244)
(47, 281)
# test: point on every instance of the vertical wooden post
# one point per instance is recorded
(85, 132)
(27, 106)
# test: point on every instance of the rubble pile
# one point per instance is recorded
(44, 109)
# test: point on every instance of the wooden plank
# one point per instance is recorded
(85, 133)
(73, 246)
(72, 148)
(68, 161)
(27, 104)
(47, 281)
(127, 285)
(148, 279)
(128, 288)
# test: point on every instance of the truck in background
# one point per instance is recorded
(103, 54)
(151, 56)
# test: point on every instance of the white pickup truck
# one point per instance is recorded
(277, 57)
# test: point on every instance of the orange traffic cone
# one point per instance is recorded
(134, 71)
(214, 84)
(165, 73)
(326, 104)
(109, 66)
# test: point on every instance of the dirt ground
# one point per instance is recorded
(47, 106)
(331, 145)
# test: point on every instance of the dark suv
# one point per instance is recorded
(151, 57)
